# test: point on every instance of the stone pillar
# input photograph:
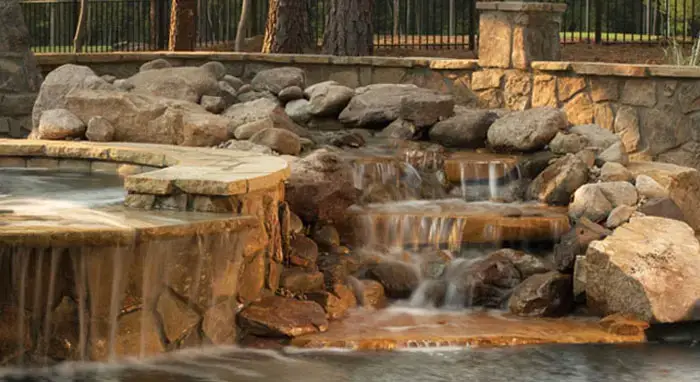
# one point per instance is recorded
(20, 77)
(513, 34)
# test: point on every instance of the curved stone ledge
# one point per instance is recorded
(135, 227)
(199, 171)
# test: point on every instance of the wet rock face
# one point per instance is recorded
(486, 281)
(276, 316)
(544, 295)
(321, 187)
(399, 279)
(646, 269)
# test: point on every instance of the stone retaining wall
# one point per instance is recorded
(653, 107)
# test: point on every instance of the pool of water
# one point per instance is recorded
(85, 189)
(649, 362)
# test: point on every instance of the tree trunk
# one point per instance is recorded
(183, 27)
(79, 39)
(396, 18)
(153, 21)
(242, 25)
(287, 29)
(349, 28)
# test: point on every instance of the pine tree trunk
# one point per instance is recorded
(79, 38)
(183, 27)
(349, 28)
(287, 29)
(242, 25)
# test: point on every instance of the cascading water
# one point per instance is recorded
(413, 225)
(83, 278)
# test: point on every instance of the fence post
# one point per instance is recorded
(598, 21)
(473, 20)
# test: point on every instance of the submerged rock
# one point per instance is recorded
(647, 268)
(398, 278)
(277, 316)
(543, 295)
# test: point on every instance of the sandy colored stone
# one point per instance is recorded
(604, 116)
(682, 183)
(544, 91)
(373, 331)
(495, 40)
(646, 269)
(579, 110)
(276, 316)
(627, 127)
(568, 87)
(487, 79)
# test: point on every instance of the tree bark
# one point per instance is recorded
(396, 17)
(183, 26)
(242, 25)
(79, 38)
(287, 29)
(349, 28)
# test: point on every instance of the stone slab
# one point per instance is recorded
(396, 329)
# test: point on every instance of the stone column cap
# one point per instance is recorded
(520, 6)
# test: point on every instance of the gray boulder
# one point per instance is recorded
(276, 79)
(468, 128)
(280, 140)
(60, 82)
(59, 124)
(181, 83)
(528, 130)
(259, 109)
(328, 99)
(99, 129)
(380, 104)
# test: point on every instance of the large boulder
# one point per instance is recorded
(596, 201)
(378, 105)
(59, 124)
(149, 119)
(647, 268)
(328, 99)
(62, 81)
(187, 83)
(263, 109)
(681, 183)
(528, 130)
(560, 180)
(466, 129)
(276, 79)
(283, 141)
(321, 187)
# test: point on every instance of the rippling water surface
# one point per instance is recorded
(592, 363)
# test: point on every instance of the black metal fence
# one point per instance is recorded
(138, 25)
